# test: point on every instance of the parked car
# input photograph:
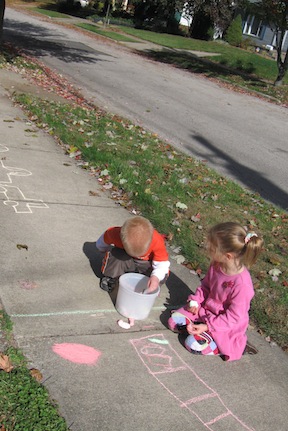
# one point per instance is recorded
(79, 3)
(83, 3)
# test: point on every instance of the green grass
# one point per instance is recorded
(107, 33)
(250, 63)
(50, 13)
(25, 403)
(173, 41)
(5, 323)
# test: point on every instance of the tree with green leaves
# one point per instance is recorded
(158, 15)
(275, 14)
(219, 12)
(234, 32)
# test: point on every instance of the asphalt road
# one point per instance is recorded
(240, 136)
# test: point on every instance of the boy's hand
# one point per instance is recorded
(153, 283)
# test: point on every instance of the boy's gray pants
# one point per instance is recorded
(117, 262)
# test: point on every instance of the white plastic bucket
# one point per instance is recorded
(132, 301)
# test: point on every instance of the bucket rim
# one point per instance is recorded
(143, 276)
(134, 273)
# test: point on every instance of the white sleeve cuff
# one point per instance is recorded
(160, 269)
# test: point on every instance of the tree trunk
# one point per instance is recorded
(2, 11)
(282, 68)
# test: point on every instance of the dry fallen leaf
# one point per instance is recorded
(261, 275)
(275, 260)
(275, 272)
(170, 236)
(5, 363)
(19, 246)
(91, 193)
(181, 206)
(179, 259)
(36, 374)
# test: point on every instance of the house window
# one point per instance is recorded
(253, 26)
(274, 42)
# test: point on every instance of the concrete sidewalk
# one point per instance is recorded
(105, 378)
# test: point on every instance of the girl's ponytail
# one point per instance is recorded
(253, 245)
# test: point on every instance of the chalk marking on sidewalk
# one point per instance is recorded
(73, 312)
(3, 148)
(191, 391)
(13, 195)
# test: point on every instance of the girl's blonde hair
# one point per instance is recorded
(230, 237)
(136, 235)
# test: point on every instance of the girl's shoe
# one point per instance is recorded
(250, 349)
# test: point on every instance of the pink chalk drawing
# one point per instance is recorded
(77, 353)
(28, 285)
(189, 390)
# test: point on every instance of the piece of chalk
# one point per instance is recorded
(124, 325)
(193, 303)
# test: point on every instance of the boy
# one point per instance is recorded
(134, 247)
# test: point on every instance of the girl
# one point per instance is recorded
(216, 317)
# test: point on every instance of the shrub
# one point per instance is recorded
(234, 32)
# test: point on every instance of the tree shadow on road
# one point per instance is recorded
(189, 61)
(36, 41)
(250, 178)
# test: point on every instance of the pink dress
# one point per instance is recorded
(224, 303)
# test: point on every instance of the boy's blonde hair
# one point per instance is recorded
(231, 237)
(136, 235)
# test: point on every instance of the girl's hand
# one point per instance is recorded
(193, 329)
(192, 307)
(153, 283)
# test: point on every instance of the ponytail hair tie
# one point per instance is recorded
(249, 236)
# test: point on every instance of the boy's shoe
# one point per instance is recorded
(250, 349)
(108, 283)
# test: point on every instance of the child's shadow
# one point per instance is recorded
(178, 294)
(95, 258)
